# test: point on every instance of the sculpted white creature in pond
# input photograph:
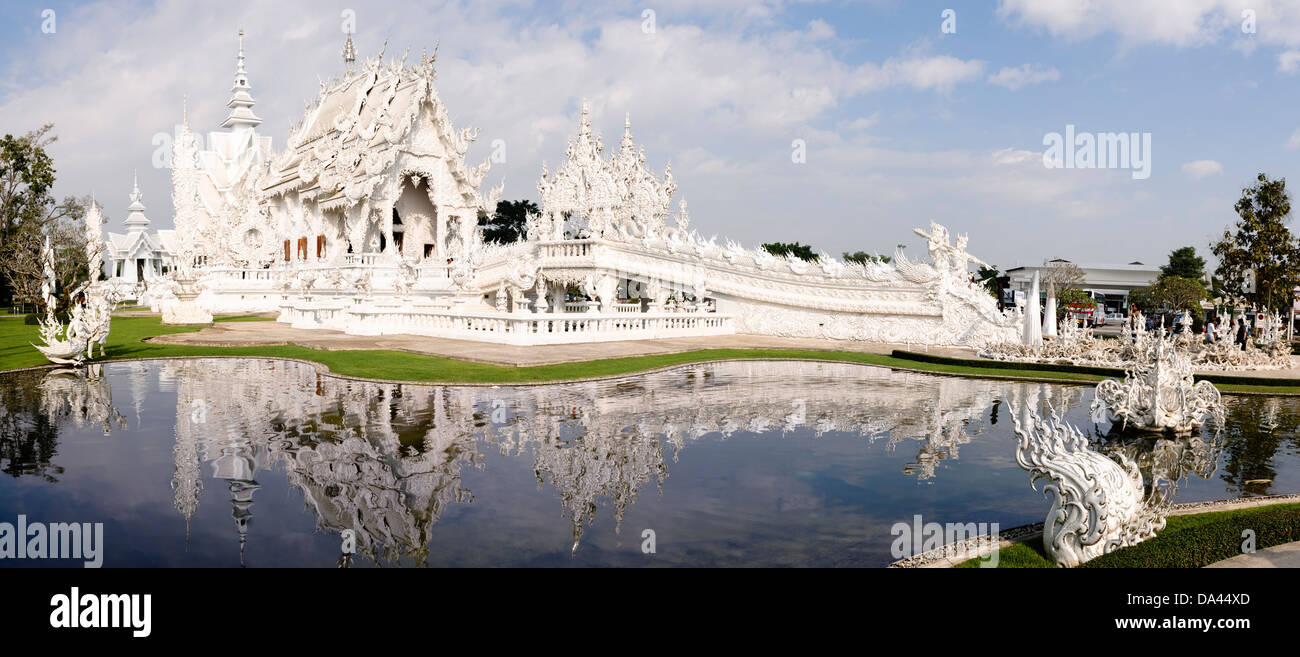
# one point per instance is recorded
(1098, 504)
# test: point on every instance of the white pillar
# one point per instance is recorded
(1032, 334)
(1049, 315)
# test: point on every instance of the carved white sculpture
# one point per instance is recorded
(93, 302)
(1098, 505)
(1079, 346)
(1159, 392)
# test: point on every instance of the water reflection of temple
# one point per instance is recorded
(385, 460)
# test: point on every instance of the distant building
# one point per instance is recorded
(1110, 284)
(136, 255)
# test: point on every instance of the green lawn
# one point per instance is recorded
(1189, 541)
(126, 341)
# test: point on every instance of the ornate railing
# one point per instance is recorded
(509, 328)
(567, 248)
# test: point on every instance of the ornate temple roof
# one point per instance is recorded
(350, 137)
(618, 194)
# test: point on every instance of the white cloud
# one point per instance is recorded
(860, 124)
(939, 73)
(1182, 23)
(1289, 61)
(1201, 169)
(1294, 142)
(1025, 74)
(1015, 156)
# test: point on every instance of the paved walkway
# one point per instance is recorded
(1286, 555)
(248, 334)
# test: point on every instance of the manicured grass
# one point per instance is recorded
(242, 318)
(1018, 555)
(127, 341)
(1190, 541)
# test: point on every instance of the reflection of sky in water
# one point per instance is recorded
(744, 463)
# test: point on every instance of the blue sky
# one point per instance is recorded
(903, 124)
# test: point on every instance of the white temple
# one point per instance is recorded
(137, 255)
(366, 223)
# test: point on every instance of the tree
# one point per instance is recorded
(1061, 275)
(988, 277)
(1073, 299)
(1184, 263)
(862, 257)
(508, 224)
(1261, 247)
(23, 268)
(28, 210)
(791, 250)
(1172, 292)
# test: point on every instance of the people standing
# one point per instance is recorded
(1209, 331)
(1241, 332)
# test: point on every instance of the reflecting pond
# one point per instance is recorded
(228, 462)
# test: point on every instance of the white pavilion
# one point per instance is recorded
(137, 255)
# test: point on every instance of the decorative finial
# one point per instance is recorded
(185, 110)
(349, 53)
(584, 124)
(240, 69)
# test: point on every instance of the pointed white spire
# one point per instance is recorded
(1032, 332)
(136, 222)
(349, 53)
(241, 101)
(584, 126)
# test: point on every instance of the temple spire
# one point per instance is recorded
(628, 144)
(241, 101)
(136, 222)
(349, 53)
(584, 124)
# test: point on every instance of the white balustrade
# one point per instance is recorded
(507, 328)
(567, 249)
